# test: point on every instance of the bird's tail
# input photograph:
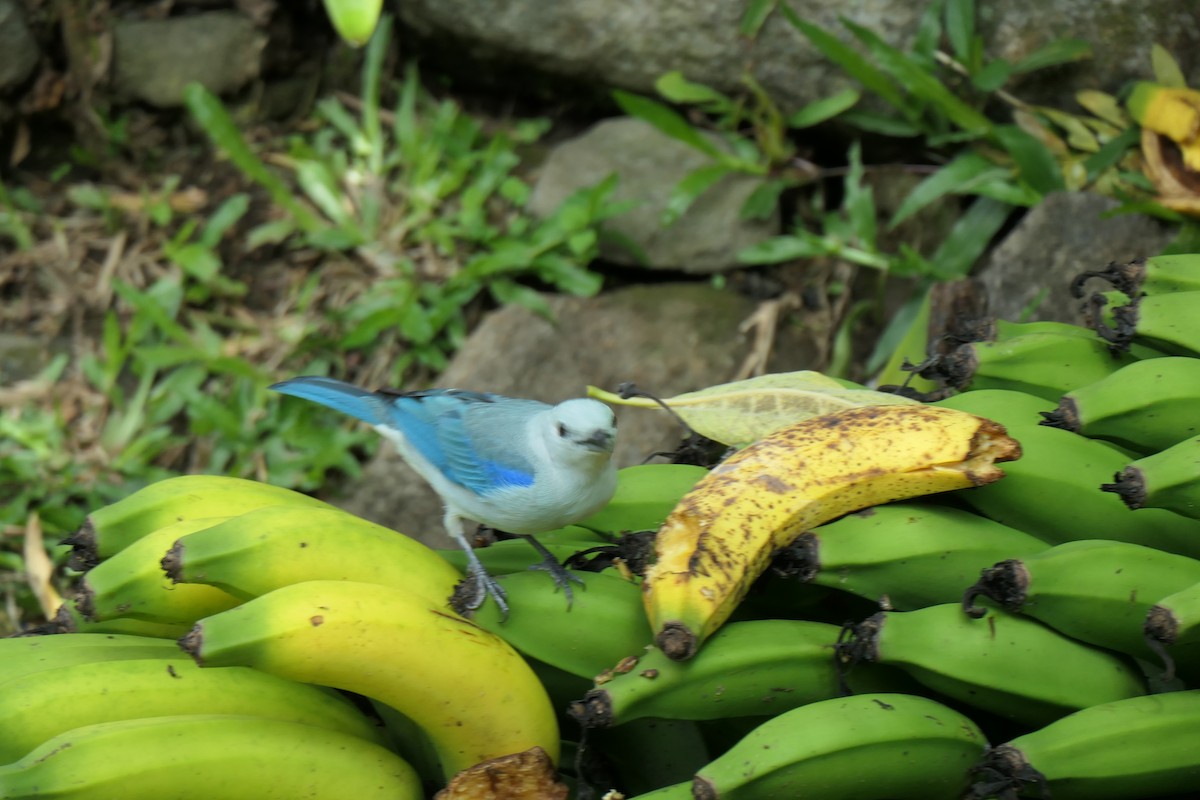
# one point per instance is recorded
(338, 395)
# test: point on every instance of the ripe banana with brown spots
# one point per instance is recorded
(722, 534)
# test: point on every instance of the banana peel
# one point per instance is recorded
(1170, 121)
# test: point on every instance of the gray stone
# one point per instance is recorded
(666, 338)
(649, 165)
(1064, 235)
(22, 357)
(20, 51)
(629, 45)
(153, 60)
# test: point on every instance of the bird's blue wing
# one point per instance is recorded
(476, 440)
(338, 395)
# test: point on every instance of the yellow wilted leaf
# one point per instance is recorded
(1166, 68)
(1104, 106)
(745, 411)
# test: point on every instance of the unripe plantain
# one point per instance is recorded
(1169, 479)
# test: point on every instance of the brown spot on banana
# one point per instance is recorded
(720, 536)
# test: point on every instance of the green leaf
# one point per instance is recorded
(826, 108)
(1059, 51)
(764, 200)
(969, 238)
(920, 83)
(850, 60)
(756, 14)
(694, 184)
(781, 248)
(960, 28)
(210, 114)
(1111, 152)
(1035, 163)
(993, 75)
(667, 121)
(506, 292)
(884, 125)
(224, 218)
(272, 232)
(678, 89)
(859, 201)
(954, 178)
(1166, 68)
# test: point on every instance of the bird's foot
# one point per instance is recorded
(473, 591)
(561, 575)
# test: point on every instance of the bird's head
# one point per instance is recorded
(581, 430)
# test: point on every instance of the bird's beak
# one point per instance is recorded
(600, 441)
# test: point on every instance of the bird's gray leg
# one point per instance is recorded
(561, 575)
(485, 584)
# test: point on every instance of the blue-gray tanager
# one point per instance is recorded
(518, 466)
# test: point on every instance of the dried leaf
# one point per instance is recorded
(742, 412)
(39, 569)
(1104, 106)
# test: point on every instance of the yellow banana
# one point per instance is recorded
(721, 535)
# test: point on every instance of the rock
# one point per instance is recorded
(1064, 235)
(154, 59)
(666, 338)
(22, 356)
(629, 45)
(17, 44)
(650, 163)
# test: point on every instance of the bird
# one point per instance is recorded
(519, 466)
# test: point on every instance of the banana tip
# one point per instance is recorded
(192, 643)
(677, 641)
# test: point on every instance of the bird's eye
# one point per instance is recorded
(562, 430)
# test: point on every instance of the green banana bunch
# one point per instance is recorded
(430, 664)
(1096, 591)
(1166, 322)
(41, 705)
(1128, 749)
(645, 495)
(262, 550)
(750, 668)
(866, 747)
(132, 584)
(905, 555)
(648, 753)
(1052, 491)
(1168, 479)
(1043, 364)
(994, 329)
(1006, 664)
(603, 625)
(1172, 628)
(109, 530)
(1155, 275)
(1145, 406)
(208, 757)
(27, 655)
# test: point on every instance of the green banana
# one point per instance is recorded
(262, 550)
(68, 619)
(1006, 664)
(1145, 406)
(994, 329)
(1128, 749)
(110, 529)
(1155, 275)
(132, 583)
(29, 654)
(419, 657)
(1052, 492)
(1166, 322)
(750, 668)
(1096, 591)
(649, 753)
(1043, 364)
(1172, 628)
(676, 791)
(208, 757)
(603, 625)
(645, 495)
(515, 555)
(41, 705)
(904, 555)
(866, 747)
(1168, 479)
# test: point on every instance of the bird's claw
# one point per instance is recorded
(562, 577)
(481, 586)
